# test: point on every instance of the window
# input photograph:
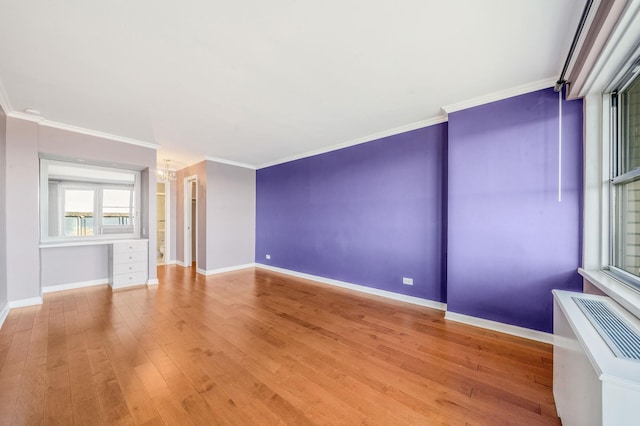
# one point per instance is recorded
(84, 201)
(625, 182)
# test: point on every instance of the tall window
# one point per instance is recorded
(625, 184)
(79, 201)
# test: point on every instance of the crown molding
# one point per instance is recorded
(26, 117)
(41, 121)
(99, 134)
(4, 100)
(375, 136)
(502, 94)
(230, 162)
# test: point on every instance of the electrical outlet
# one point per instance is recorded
(268, 256)
(407, 281)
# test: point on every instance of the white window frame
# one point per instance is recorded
(620, 50)
(98, 185)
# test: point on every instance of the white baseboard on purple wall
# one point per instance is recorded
(514, 330)
(3, 313)
(72, 286)
(356, 287)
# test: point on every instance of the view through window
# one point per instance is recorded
(626, 180)
(87, 201)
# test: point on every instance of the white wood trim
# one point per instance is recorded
(81, 130)
(26, 117)
(180, 263)
(96, 242)
(99, 134)
(230, 162)
(360, 288)
(153, 281)
(226, 269)
(174, 262)
(618, 53)
(4, 100)
(500, 95)
(583, 35)
(4, 313)
(379, 135)
(514, 330)
(186, 218)
(75, 285)
(21, 303)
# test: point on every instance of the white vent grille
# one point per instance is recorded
(621, 337)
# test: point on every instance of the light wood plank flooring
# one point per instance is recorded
(258, 348)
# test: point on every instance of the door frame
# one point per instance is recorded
(187, 221)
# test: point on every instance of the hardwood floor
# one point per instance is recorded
(254, 347)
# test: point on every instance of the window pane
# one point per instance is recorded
(627, 227)
(78, 212)
(630, 127)
(117, 211)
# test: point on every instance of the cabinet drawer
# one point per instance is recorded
(124, 280)
(130, 247)
(129, 257)
(129, 268)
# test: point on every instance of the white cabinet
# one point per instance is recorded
(128, 263)
(591, 386)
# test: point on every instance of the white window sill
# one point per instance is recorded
(92, 242)
(614, 288)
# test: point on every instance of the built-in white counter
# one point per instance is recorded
(592, 386)
(75, 264)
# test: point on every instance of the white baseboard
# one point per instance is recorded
(21, 303)
(223, 270)
(514, 330)
(4, 313)
(173, 262)
(356, 287)
(153, 281)
(180, 263)
(73, 286)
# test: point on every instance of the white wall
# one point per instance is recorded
(92, 265)
(23, 257)
(28, 266)
(3, 218)
(226, 214)
(231, 215)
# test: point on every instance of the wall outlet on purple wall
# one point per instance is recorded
(268, 256)
(407, 281)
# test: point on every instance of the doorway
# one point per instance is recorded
(191, 221)
(161, 228)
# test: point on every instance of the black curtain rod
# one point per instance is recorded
(583, 19)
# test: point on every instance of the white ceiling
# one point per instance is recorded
(257, 81)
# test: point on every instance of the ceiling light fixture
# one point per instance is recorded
(166, 175)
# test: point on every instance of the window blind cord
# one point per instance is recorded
(560, 146)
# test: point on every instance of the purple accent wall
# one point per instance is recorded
(510, 242)
(369, 214)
